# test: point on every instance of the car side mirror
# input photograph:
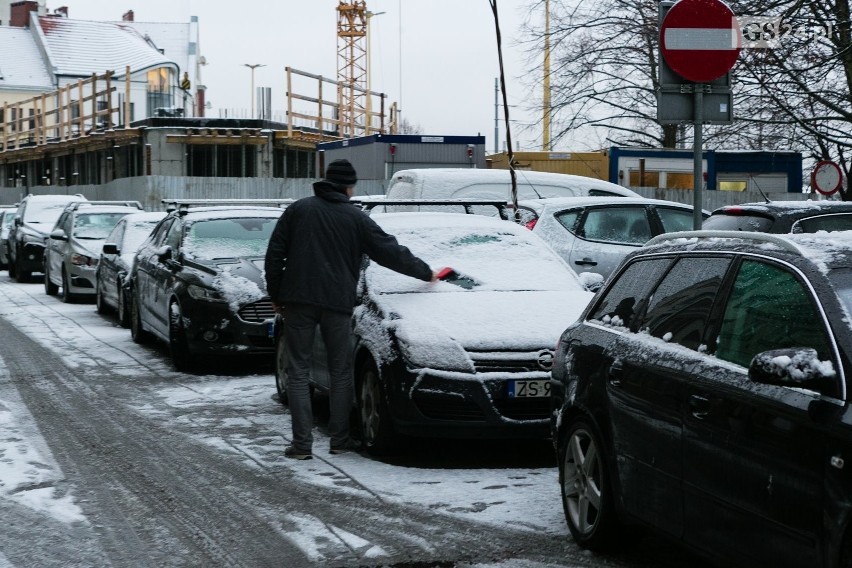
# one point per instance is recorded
(792, 367)
(110, 248)
(58, 235)
(591, 281)
(164, 253)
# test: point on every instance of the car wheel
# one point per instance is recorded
(123, 311)
(281, 360)
(13, 265)
(178, 346)
(100, 303)
(587, 497)
(21, 275)
(377, 432)
(137, 333)
(50, 288)
(67, 296)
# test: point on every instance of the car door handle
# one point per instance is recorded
(699, 406)
(586, 262)
(616, 371)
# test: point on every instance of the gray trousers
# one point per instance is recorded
(300, 325)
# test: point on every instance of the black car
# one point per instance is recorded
(704, 394)
(197, 283)
(782, 217)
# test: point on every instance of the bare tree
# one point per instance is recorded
(406, 127)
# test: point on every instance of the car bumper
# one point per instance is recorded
(82, 279)
(465, 405)
(212, 328)
(31, 258)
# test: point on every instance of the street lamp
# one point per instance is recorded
(369, 73)
(253, 67)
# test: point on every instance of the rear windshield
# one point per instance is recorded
(723, 222)
(831, 222)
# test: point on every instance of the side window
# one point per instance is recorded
(62, 224)
(681, 304)
(116, 235)
(627, 225)
(769, 309)
(160, 232)
(675, 219)
(628, 294)
(173, 236)
(568, 219)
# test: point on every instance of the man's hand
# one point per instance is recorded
(435, 274)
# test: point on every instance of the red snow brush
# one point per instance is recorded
(451, 276)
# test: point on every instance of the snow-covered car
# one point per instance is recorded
(594, 234)
(704, 393)
(808, 216)
(72, 248)
(7, 218)
(196, 283)
(115, 261)
(468, 357)
(37, 214)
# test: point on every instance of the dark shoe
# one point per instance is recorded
(294, 453)
(348, 446)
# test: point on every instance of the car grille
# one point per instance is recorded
(257, 312)
(524, 408)
(447, 408)
(511, 361)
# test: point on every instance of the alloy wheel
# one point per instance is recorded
(582, 481)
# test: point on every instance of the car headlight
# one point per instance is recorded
(83, 260)
(201, 293)
(436, 350)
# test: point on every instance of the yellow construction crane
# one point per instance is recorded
(352, 66)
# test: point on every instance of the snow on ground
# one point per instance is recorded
(256, 433)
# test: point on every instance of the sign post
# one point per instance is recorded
(699, 44)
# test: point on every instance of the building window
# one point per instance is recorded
(159, 80)
(675, 180)
(733, 185)
(652, 179)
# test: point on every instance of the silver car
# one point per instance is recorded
(7, 217)
(593, 234)
(73, 247)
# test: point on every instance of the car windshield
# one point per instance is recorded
(95, 225)
(241, 237)
(484, 258)
(8, 219)
(44, 213)
(136, 233)
(725, 222)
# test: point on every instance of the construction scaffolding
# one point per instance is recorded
(352, 66)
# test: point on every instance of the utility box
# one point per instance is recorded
(379, 156)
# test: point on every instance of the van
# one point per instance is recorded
(471, 183)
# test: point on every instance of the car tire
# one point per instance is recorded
(13, 265)
(67, 296)
(100, 304)
(137, 332)
(178, 345)
(377, 432)
(123, 308)
(587, 496)
(50, 288)
(21, 275)
(281, 360)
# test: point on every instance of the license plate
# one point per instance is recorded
(529, 388)
(270, 329)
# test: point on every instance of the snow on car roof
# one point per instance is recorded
(454, 177)
(582, 201)
(201, 213)
(145, 216)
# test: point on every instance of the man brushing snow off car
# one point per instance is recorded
(312, 266)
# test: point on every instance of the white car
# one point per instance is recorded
(467, 357)
(593, 234)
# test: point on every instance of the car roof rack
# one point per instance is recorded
(371, 202)
(778, 240)
(124, 203)
(184, 204)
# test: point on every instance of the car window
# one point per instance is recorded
(161, 232)
(229, 238)
(769, 308)
(136, 233)
(724, 222)
(831, 222)
(674, 220)
(173, 236)
(616, 225)
(64, 223)
(95, 225)
(116, 234)
(568, 219)
(603, 193)
(623, 300)
(681, 304)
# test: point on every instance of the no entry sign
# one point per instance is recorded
(700, 39)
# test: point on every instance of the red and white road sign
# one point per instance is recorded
(826, 177)
(700, 39)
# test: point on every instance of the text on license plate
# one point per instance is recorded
(529, 388)
(270, 329)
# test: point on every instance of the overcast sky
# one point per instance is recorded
(436, 58)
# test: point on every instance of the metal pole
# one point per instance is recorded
(697, 170)
(496, 115)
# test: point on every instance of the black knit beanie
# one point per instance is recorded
(341, 172)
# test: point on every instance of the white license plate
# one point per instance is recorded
(270, 329)
(529, 388)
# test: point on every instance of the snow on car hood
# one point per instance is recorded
(240, 281)
(482, 320)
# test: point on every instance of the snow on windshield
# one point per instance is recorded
(96, 225)
(240, 237)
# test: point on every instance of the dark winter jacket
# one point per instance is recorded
(314, 254)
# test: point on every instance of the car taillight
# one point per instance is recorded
(733, 210)
(530, 224)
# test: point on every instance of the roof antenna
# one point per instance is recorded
(760, 190)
